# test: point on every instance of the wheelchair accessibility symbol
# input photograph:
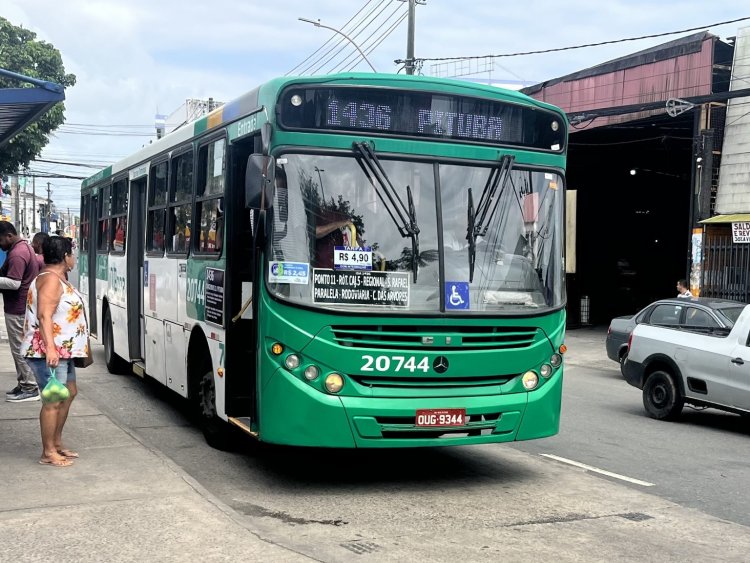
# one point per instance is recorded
(456, 295)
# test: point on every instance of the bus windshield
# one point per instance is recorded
(344, 243)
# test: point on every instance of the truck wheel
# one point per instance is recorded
(218, 434)
(661, 396)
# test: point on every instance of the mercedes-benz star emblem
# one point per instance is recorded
(440, 364)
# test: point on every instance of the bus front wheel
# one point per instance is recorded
(216, 431)
(115, 364)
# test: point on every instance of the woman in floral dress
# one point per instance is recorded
(55, 332)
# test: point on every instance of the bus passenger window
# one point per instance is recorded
(157, 215)
(182, 221)
(180, 204)
(210, 205)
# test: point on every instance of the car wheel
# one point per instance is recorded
(623, 357)
(661, 396)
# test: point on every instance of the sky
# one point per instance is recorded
(136, 58)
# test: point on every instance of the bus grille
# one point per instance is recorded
(444, 337)
(412, 382)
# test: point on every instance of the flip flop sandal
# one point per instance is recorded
(56, 462)
(69, 454)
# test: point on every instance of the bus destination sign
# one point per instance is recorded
(421, 114)
(341, 287)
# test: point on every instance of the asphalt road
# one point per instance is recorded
(484, 502)
(701, 461)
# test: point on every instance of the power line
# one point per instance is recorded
(372, 18)
(369, 47)
(328, 40)
(543, 51)
(339, 39)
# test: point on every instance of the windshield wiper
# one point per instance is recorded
(404, 216)
(478, 221)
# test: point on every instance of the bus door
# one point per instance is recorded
(91, 245)
(134, 263)
(242, 286)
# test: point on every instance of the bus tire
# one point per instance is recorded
(661, 396)
(115, 364)
(217, 432)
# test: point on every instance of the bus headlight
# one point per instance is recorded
(545, 370)
(312, 373)
(530, 380)
(334, 382)
(291, 361)
(555, 360)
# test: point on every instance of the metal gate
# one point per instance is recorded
(726, 268)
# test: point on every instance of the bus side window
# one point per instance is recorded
(210, 201)
(157, 213)
(179, 230)
(84, 231)
(103, 236)
(119, 221)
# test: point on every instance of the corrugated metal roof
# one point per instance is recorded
(681, 68)
(21, 106)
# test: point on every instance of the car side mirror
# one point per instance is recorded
(259, 181)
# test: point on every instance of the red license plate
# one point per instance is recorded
(441, 417)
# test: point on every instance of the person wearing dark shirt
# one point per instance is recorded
(17, 273)
(333, 229)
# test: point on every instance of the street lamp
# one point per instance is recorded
(344, 35)
(319, 170)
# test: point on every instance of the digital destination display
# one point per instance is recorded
(421, 114)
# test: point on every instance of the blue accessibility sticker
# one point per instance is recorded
(456, 295)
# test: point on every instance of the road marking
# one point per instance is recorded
(597, 470)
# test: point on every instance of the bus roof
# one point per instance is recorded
(265, 95)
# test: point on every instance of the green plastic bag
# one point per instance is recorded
(54, 391)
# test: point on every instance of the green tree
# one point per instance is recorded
(21, 53)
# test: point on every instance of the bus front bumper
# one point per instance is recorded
(293, 413)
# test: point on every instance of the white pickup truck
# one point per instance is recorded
(675, 365)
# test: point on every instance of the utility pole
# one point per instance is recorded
(49, 207)
(23, 203)
(33, 205)
(17, 192)
(410, 38)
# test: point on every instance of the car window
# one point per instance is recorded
(697, 318)
(731, 314)
(666, 315)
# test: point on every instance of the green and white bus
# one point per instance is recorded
(356, 260)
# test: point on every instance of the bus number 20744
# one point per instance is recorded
(395, 363)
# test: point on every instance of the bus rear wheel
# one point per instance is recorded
(217, 432)
(115, 364)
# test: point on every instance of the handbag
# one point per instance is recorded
(89, 359)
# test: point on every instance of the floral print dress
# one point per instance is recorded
(69, 325)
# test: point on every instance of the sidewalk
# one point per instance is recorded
(121, 501)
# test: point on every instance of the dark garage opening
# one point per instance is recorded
(632, 228)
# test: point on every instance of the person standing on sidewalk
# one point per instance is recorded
(37, 243)
(17, 273)
(55, 332)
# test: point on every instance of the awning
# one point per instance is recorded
(735, 218)
(20, 107)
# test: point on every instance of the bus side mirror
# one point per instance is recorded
(259, 181)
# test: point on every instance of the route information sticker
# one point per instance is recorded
(341, 287)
